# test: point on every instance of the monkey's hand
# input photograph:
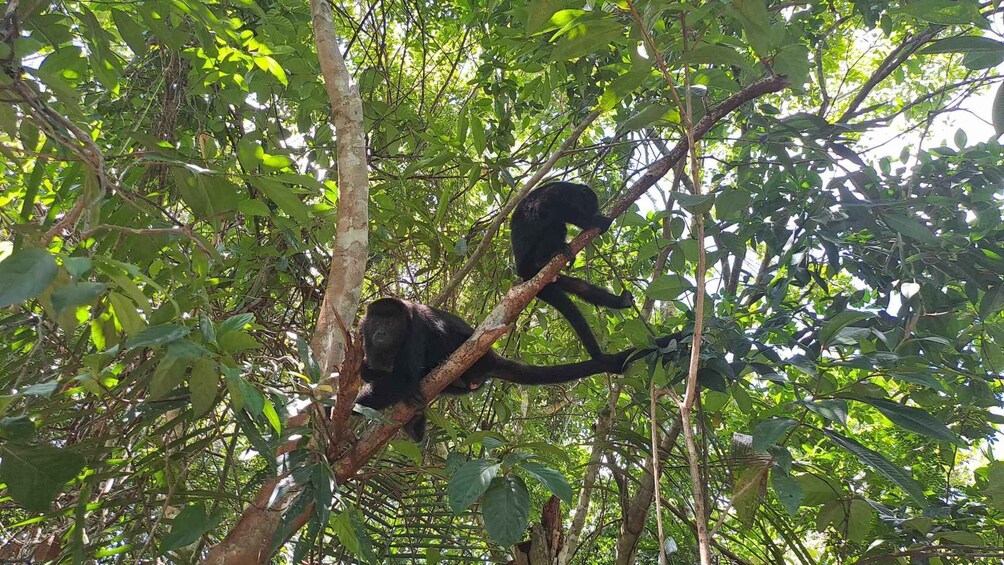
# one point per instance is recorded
(417, 400)
(566, 250)
(603, 223)
(627, 299)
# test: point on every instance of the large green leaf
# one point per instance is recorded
(553, 480)
(787, 489)
(839, 321)
(876, 461)
(187, 527)
(469, 482)
(914, 419)
(769, 432)
(506, 510)
(157, 335)
(35, 474)
(203, 384)
(910, 227)
(997, 110)
(25, 274)
(76, 294)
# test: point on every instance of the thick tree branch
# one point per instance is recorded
(506, 312)
(348, 258)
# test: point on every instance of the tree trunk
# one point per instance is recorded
(251, 539)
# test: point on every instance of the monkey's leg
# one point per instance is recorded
(415, 427)
(554, 296)
(594, 294)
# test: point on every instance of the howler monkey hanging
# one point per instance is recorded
(404, 341)
(538, 234)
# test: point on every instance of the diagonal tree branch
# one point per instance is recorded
(493, 327)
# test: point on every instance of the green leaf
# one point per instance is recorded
(539, 13)
(271, 66)
(285, 197)
(478, 136)
(708, 54)
(553, 480)
(695, 204)
(25, 274)
(625, 84)
(910, 227)
(234, 323)
(76, 294)
(350, 529)
(126, 313)
(794, 62)
(997, 111)
(506, 510)
(157, 335)
(253, 207)
(732, 204)
(817, 490)
(18, 429)
(167, 376)
(647, 116)
(753, 16)
(77, 266)
(667, 287)
(963, 44)
(130, 31)
(787, 490)
(203, 384)
(992, 301)
(979, 52)
(245, 396)
(276, 161)
(769, 432)
(469, 482)
(235, 342)
(961, 138)
(249, 152)
(271, 416)
(914, 419)
(187, 527)
(859, 520)
(839, 321)
(919, 378)
(834, 409)
(946, 12)
(876, 461)
(585, 38)
(35, 474)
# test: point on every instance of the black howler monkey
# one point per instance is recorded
(404, 341)
(538, 234)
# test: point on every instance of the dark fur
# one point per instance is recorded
(538, 233)
(404, 341)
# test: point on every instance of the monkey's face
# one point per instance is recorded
(383, 336)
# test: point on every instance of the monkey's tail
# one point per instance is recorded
(522, 373)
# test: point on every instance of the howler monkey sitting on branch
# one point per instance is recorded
(538, 233)
(404, 341)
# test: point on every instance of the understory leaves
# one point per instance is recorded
(35, 474)
(25, 274)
